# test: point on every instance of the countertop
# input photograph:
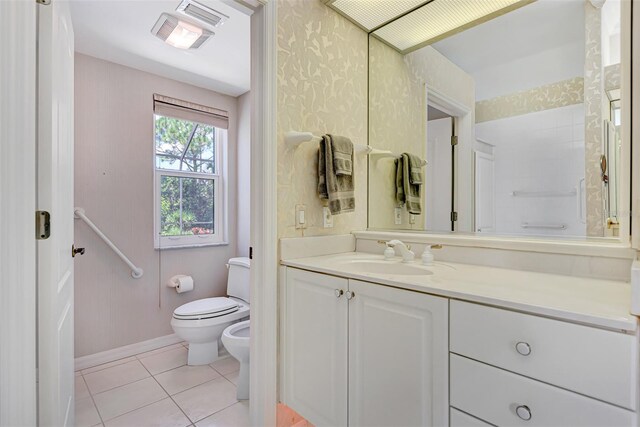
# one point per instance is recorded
(594, 302)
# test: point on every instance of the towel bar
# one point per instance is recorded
(295, 138)
(382, 154)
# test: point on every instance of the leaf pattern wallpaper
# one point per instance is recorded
(322, 88)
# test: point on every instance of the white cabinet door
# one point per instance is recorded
(315, 347)
(398, 357)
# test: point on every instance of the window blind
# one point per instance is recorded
(172, 107)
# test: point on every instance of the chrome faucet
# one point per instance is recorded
(405, 250)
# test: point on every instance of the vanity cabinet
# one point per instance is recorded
(510, 368)
(387, 348)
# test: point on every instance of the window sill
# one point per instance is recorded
(192, 246)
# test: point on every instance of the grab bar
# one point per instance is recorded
(568, 193)
(545, 226)
(136, 272)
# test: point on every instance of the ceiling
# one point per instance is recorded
(541, 43)
(120, 31)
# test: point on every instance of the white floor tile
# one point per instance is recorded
(107, 365)
(86, 413)
(234, 416)
(132, 396)
(166, 360)
(208, 398)
(184, 377)
(164, 413)
(158, 350)
(233, 377)
(115, 376)
(226, 365)
(81, 390)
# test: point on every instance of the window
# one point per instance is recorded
(189, 190)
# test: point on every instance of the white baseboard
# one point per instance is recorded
(107, 356)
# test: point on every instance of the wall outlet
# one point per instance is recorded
(301, 217)
(397, 216)
(327, 218)
(412, 219)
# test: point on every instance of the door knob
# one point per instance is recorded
(350, 295)
(76, 251)
(338, 293)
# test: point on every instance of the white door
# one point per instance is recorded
(315, 347)
(485, 193)
(55, 195)
(398, 357)
(439, 180)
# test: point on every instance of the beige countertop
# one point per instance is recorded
(595, 302)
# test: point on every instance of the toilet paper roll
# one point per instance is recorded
(182, 283)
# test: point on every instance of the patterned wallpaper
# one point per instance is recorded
(397, 118)
(612, 77)
(593, 93)
(322, 88)
(555, 95)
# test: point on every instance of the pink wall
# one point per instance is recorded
(114, 184)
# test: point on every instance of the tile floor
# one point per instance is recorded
(158, 388)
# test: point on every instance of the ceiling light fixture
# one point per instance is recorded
(179, 33)
(371, 14)
(440, 19)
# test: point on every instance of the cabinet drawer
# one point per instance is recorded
(507, 399)
(594, 362)
(460, 419)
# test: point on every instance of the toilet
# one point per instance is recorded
(236, 340)
(201, 322)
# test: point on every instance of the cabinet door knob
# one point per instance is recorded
(350, 295)
(523, 412)
(338, 293)
(523, 348)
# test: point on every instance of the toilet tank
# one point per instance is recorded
(238, 283)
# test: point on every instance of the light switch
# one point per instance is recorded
(327, 218)
(397, 215)
(301, 221)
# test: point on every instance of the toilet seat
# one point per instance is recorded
(206, 308)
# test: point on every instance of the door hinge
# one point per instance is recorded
(454, 140)
(45, 2)
(43, 225)
(250, 252)
(454, 216)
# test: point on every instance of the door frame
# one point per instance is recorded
(18, 388)
(462, 154)
(264, 206)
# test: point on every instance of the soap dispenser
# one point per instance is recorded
(427, 256)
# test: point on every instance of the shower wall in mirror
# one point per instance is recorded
(518, 119)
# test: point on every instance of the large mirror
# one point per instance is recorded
(513, 126)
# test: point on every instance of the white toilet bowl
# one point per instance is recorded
(236, 340)
(201, 323)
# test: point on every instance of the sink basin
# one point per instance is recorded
(387, 268)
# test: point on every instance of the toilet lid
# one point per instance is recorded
(207, 307)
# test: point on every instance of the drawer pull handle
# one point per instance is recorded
(350, 295)
(523, 412)
(523, 348)
(338, 293)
